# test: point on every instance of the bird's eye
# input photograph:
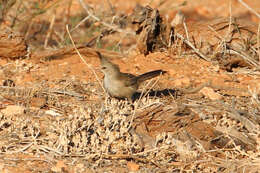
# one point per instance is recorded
(103, 68)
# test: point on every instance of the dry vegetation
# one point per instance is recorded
(203, 116)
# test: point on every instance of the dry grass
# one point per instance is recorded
(104, 132)
(69, 120)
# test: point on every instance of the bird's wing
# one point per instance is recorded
(128, 78)
(149, 75)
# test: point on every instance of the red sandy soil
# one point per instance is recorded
(181, 72)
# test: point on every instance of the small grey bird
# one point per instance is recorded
(122, 85)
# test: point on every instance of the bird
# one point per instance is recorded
(122, 85)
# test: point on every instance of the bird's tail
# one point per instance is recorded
(149, 75)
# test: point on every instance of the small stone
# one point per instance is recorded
(38, 102)
(210, 93)
(132, 166)
(185, 81)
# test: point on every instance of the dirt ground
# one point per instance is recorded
(203, 115)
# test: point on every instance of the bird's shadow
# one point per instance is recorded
(156, 93)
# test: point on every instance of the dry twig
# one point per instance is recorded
(193, 47)
(93, 71)
(104, 23)
(249, 8)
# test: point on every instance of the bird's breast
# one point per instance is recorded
(117, 88)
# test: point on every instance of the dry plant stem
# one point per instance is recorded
(22, 149)
(230, 51)
(65, 93)
(258, 41)
(48, 149)
(219, 37)
(223, 40)
(82, 21)
(45, 91)
(50, 30)
(254, 95)
(67, 18)
(28, 30)
(230, 20)
(186, 30)
(249, 8)
(16, 15)
(191, 45)
(245, 56)
(142, 93)
(250, 126)
(235, 133)
(152, 86)
(59, 38)
(111, 7)
(93, 71)
(103, 23)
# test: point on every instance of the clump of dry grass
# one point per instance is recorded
(104, 132)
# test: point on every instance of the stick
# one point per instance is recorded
(84, 61)
(249, 8)
(190, 44)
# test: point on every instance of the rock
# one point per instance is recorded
(38, 102)
(210, 93)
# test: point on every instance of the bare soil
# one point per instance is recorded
(201, 116)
